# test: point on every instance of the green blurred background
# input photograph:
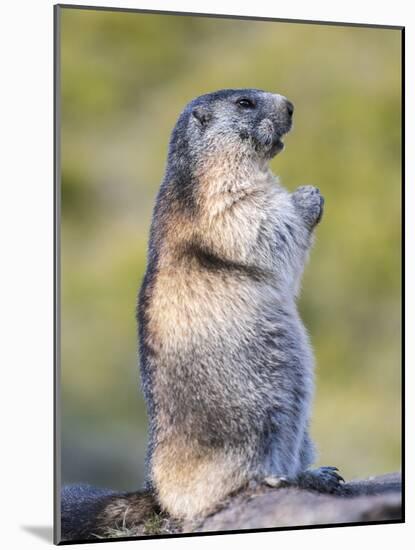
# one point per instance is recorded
(125, 79)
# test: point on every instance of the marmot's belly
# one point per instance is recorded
(217, 388)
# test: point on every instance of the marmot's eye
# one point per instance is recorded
(245, 103)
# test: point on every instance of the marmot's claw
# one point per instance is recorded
(333, 468)
(334, 471)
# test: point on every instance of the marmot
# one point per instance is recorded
(226, 363)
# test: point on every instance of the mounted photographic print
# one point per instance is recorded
(228, 261)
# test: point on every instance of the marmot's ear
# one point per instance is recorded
(202, 115)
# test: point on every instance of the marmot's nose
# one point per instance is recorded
(290, 107)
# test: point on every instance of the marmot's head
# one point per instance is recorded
(221, 138)
(244, 122)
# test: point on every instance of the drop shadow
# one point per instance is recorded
(43, 532)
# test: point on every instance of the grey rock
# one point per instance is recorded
(373, 499)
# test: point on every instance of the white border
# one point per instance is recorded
(26, 264)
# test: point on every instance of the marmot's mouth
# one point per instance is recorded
(277, 144)
(269, 136)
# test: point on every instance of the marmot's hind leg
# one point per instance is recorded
(307, 452)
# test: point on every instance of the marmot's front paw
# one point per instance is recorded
(309, 202)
